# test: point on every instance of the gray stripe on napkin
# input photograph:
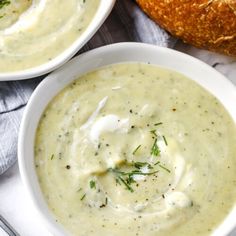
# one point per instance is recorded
(9, 125)
(126, 23)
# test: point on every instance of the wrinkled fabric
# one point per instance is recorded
(126, 23)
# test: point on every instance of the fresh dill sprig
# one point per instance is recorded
(4, 3)
(136, 172)
(155, 149)
(131, 173)
(126, 184)
(79, 190)
(139, 165)
(127, 178)
(164, 168)
(153, 132)
(92, 184)
(160, 123)
(136, 149)
(82, 198)
(164, 138)
(118, 181)
(157, 163)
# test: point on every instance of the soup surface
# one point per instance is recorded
(134, 149)
(34, 32)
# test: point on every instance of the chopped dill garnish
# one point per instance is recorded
(130, 180)
(164, 168)
(165, 140)
(52, 156)
(115, 170)
(153, 132)
(126, 184)
(79, 189)
(157, 163)
(160, 123)
(133, 172)
(92, 184)
(139, 165)
(118, 181)
(136, 149)
(82, 198)
(4, 3)
(127, 177)
(141, 173)
(155, 149)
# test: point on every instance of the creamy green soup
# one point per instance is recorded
(134, 149)
(35, 32)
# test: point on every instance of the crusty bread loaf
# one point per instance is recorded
(209, 24)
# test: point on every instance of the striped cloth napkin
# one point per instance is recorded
(126, 23)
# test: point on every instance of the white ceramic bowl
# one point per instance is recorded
(198, 71)
(102, 13)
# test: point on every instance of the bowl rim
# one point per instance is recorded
(111, 54)
(103, 11)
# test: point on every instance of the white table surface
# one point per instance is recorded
(14, 203)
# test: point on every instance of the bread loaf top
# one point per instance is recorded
(209, 24)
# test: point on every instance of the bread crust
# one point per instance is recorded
(209, 24)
